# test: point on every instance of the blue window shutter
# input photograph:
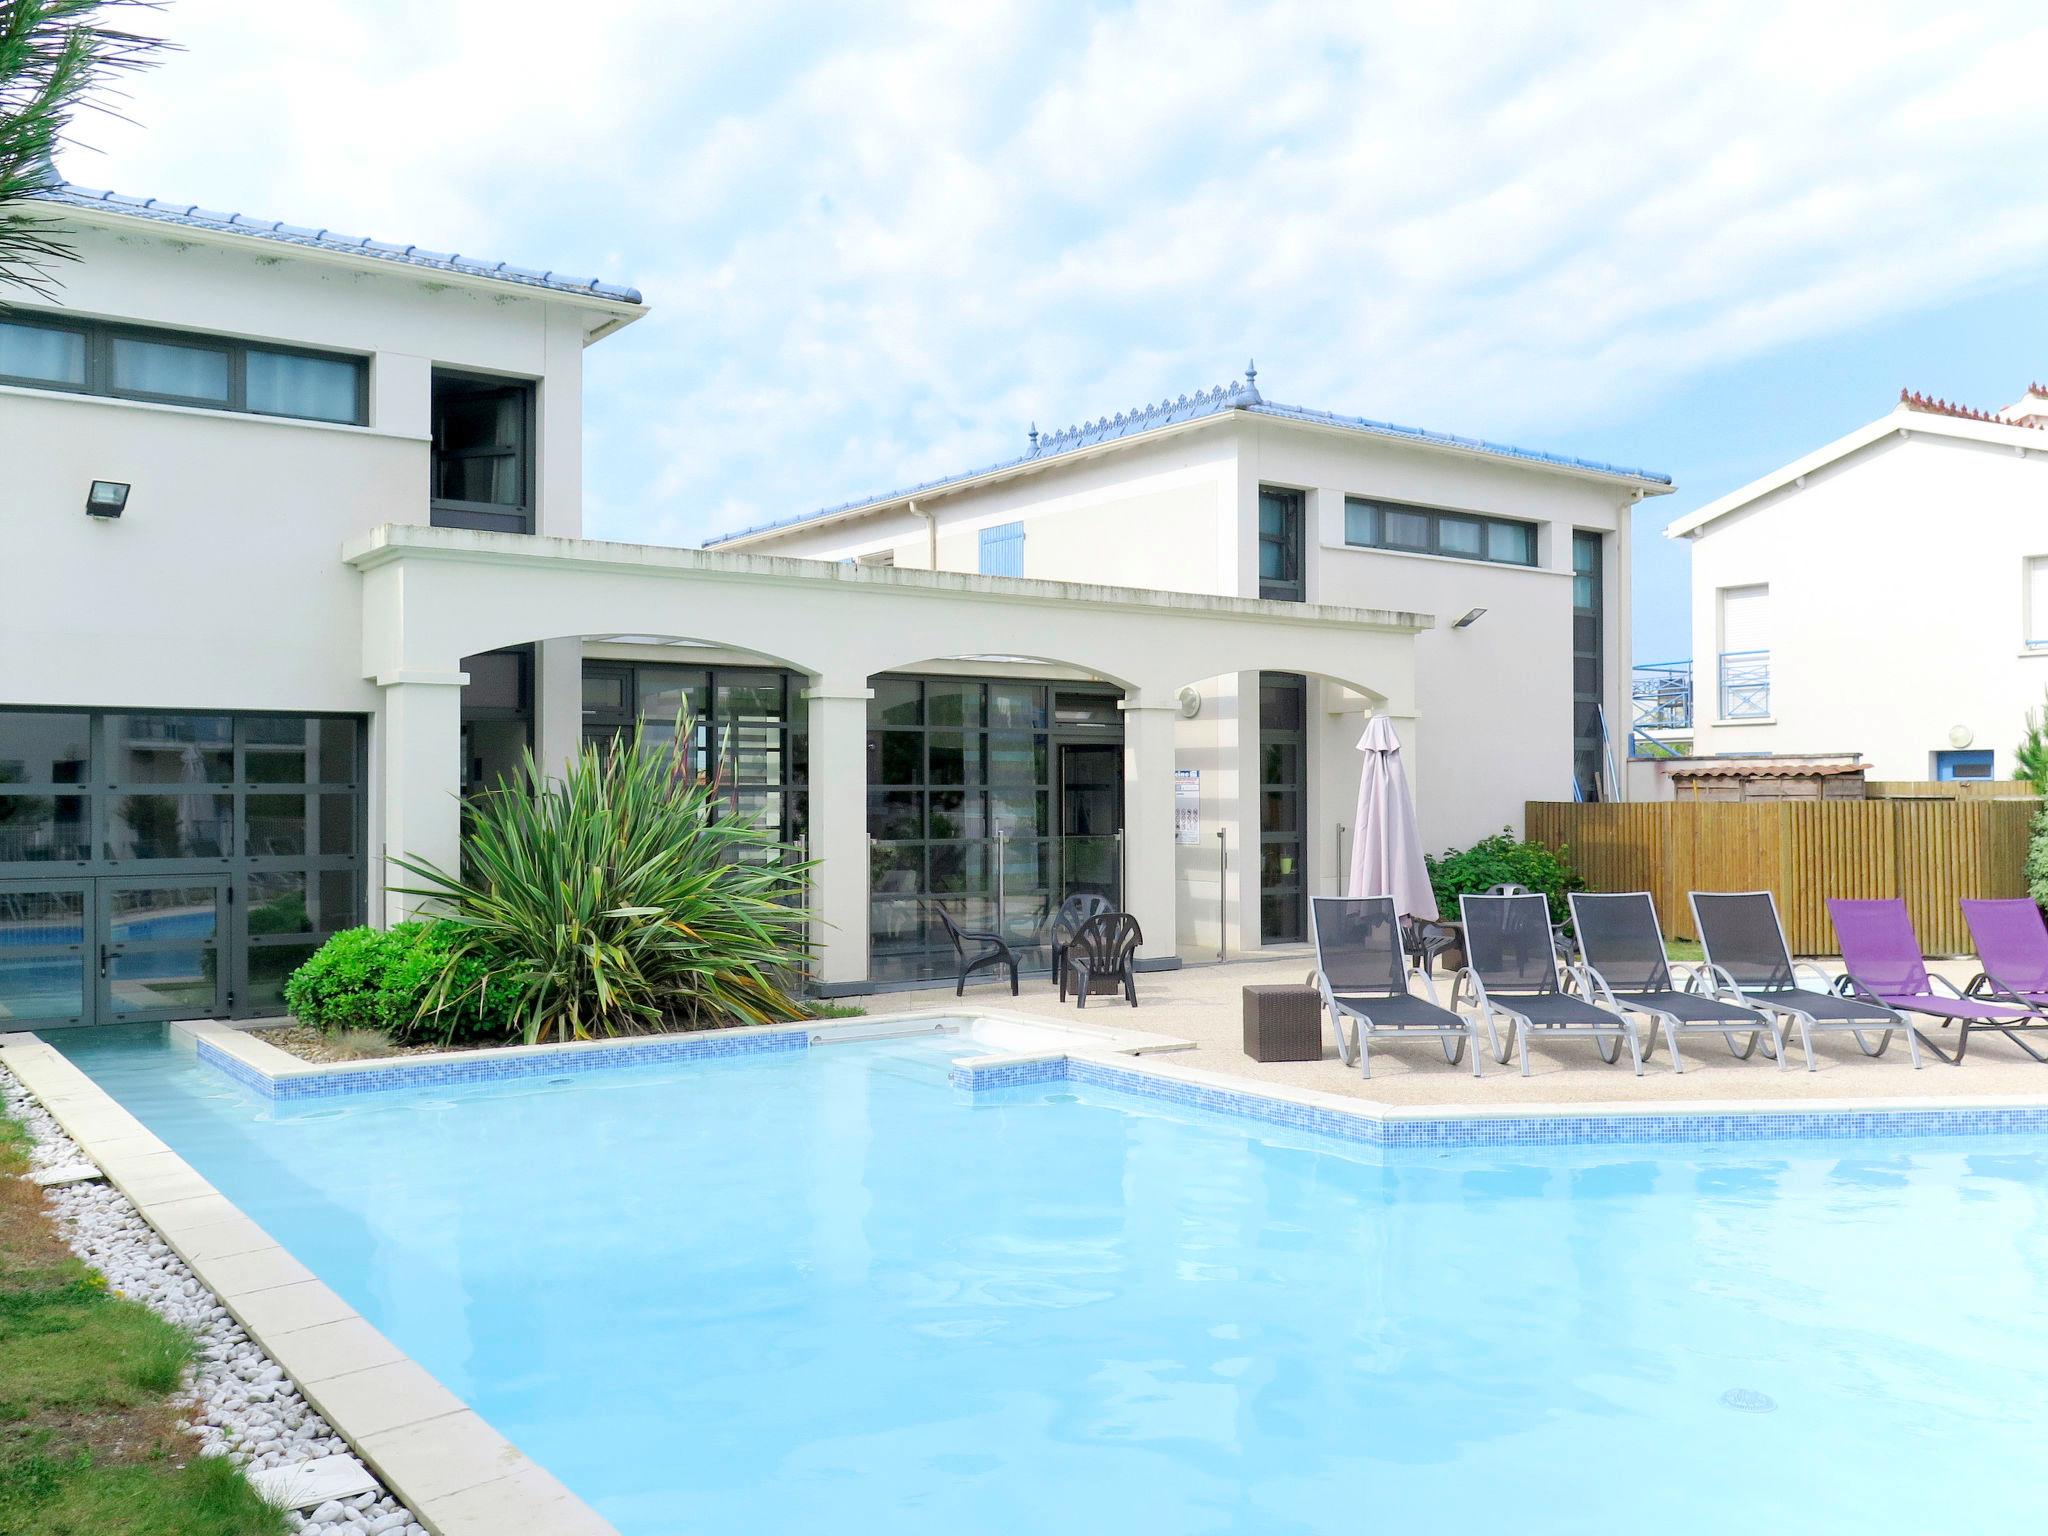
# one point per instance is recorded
(1002, 550)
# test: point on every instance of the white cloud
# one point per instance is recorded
(878, 246)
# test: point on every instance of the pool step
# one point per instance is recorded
(841, 1034)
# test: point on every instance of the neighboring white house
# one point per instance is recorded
(296, 519)
(1885, 595)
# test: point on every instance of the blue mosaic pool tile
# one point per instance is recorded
(1009, 1074)
(1516, 1130)
(487, 1069)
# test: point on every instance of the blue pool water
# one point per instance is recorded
(825, 1291)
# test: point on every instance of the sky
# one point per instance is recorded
(880, 241)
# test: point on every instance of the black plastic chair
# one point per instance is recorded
(1073, 912)
(1106, 946)
(993, 949)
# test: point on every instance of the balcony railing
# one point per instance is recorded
(1661, 692)
(1745, 685)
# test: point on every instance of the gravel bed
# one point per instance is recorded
(312, 1045)
(243, 1406)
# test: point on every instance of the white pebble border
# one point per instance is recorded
(244, 1407)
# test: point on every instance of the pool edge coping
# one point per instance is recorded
(1376, 1122)
(278, 1075)
(1107, 1054)
(393, 1412)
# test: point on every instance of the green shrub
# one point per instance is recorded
(613, 901)
(1500, 860)
(2030, 757)
(339, 986)
(380, 980)
(479, 1005)
(2037, 858)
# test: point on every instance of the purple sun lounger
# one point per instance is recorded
(1881, 961)
(2012, 947)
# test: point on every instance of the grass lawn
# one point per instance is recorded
(1687, 951)
(90, 1444)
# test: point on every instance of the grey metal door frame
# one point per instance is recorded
(204, 941)
(21, 953)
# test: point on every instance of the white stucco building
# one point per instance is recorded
(297, 520)
(1886, 595)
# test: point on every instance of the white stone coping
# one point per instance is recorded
(438, 1456)
(1014, 1040)
(1027, 1035)
(1581, 1109)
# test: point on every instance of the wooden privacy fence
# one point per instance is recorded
(1932, 852)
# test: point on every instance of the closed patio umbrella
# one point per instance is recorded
(1386, 849)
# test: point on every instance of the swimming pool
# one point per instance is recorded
(823, 1289)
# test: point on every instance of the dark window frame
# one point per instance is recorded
(1291, 541)
(1293, 893)
(242, 867)
(1376, 507)
(100, 336)
(1589, 651)
(713, 739)
(486, 516)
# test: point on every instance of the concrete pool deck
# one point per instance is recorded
(1203, 1004)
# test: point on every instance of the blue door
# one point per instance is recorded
(1962, 765)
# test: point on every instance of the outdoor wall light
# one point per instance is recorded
(1472, 616)
(107, 498)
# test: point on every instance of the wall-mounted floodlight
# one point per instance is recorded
(1472, 616)
(107, 498)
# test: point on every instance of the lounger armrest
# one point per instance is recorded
(1827, 983)
(1429, 986)
(1719, 983)
(1593, 987)
(1939, 983)
(1985, 985)
(1688, 978)
(1467, 981)
(1850, 987)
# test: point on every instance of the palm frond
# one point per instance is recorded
(56, 58)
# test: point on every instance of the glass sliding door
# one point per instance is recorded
(1283, 796)
(46, 970)
(161, 948)
(1588, 664)
(975, 804)
(748, 728)
(194, 859)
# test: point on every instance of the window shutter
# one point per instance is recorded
(1002, 550)
(1745, 619)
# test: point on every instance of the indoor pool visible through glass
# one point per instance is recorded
(825, 1291)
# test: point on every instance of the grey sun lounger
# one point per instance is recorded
(1749, 961)
(1622, 965)
(1512, 973)
(1361, 974)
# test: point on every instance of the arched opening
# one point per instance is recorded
(995, 793)
(744, 711)
(1265, 790)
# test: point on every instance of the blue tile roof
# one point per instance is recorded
(1242, 394)
(192, 216)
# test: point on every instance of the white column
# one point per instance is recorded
(557, 704)
(1241, 821)
(420, 763)
(1151, 889)
(839, 829)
